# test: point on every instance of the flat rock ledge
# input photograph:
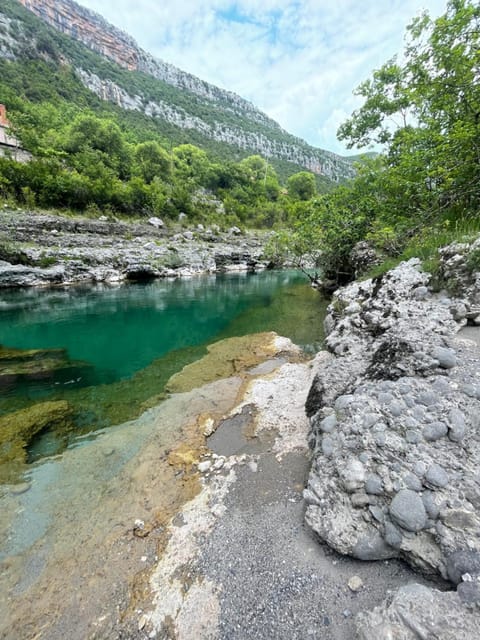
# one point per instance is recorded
(47, 250)
(395, 416)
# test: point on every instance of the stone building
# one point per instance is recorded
(9, 145)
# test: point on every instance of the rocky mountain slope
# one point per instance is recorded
(135, 80)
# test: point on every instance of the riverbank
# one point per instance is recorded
(191, 523)
(39, 249)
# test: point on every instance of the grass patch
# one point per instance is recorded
(425, 246)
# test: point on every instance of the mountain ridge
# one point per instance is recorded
(217, 114)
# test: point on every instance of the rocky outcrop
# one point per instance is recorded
(231, 119)
(88, 27)
(53, 250)
(415, 611)
(394, 415)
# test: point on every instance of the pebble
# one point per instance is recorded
(434, 431)
(328, 424)
(374, 485)
(204, 466)
(456, 430)
(427, 398)
(408, 511)
(355, 583)
(327, 446)
(437, 476)
(446, 357)
(18, 489)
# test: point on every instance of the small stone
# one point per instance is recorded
(18, 489)
(328, 424)
(218, 464)
(253, 466)
(385, 398)
(369, 419)
(412, 482)
(469, 592)
(420, 293)
(355, 583)
(408, 511)
(393, 537)
(427, 398)
(419, 468)
(377, 513)
(446, 357)
(469, 390)
(397, 407)
(434, 431)
(353, 475)
(327, 446)
(462, 562)
(412, 436)
(456, 431)
(204, 466)
(156, 222)
(347, 613)
(380, 439)
(374, 484)
(430, 505)
(436, 476)
(360, 500)
(352, 309)
(342, 402)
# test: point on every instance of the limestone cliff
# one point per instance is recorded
(215, 113)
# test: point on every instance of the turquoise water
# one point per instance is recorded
(124, 342)
(120, 330)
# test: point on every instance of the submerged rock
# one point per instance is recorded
(18, 429)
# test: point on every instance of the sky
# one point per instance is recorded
(297, 60)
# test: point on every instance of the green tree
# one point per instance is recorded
(301, 186)
(426, 111)
(151, 161)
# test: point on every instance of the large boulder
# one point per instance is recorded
(395, 417)
(415, 612)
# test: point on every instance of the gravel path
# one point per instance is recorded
(276, 581)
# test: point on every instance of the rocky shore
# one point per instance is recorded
(45, 249)
(394, 412)
(209, 526)
(395, 416)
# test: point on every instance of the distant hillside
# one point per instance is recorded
(181, 107)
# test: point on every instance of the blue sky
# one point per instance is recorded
(299, 61)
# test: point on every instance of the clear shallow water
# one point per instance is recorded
(131, 338)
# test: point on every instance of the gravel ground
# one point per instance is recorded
(276, 581)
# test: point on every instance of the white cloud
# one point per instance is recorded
(298, 60)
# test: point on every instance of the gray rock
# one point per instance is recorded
(461, 562)
(412, 482)
(408, 511)
(418, 612)
(436, 476)
(446, 357)
(435, 431)
(456, 427)
(425, 486)
(327, 446)
(430, 504)
(374, 485)
(352, 475)
(328, 424)
(393, 536)
(469, 593)
(373, 547)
